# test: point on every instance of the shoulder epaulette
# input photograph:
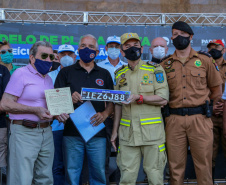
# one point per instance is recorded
(153, 64)
(204, 53)
(122, 67)
(164, 58)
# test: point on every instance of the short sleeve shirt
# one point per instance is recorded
(76, 77)
(189, 82)
(29, 86)
(142, 124)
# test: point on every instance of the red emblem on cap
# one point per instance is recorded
(57, 90)
(99, 82)
(92, 55)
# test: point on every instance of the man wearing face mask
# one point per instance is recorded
(139, 120)
(66, 56)
(158, 49)
(216, 49)
(112, 63)
(31, 146)
(193, 80)
(6, 56)
(85, 73)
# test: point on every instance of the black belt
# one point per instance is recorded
(188, 110)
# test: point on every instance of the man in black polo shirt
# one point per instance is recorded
(4, 79)
(85, 73)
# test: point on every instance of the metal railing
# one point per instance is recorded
(109, 18)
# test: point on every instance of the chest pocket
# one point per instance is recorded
(198, 79)
(172, 81)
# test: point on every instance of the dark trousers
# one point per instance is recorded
(58, 164)
(109, 127)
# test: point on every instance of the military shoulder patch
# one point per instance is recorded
(153, 64)
(122, 67)
(204, 53)
(216, 66)
(164, 58)
(159, 76)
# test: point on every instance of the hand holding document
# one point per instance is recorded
(59, 101)
(81, 119)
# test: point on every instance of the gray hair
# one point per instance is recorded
(34, 49)
(88, 35)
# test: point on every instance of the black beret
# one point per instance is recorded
(183, 26)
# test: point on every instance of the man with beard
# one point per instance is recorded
(139, 119)
(193, 81)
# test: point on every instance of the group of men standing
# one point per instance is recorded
(187, 84)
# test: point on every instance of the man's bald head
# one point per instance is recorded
(159, 41)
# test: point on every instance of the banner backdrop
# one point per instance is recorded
(22, 36)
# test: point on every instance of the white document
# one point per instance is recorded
(59, 101)
(81, 119)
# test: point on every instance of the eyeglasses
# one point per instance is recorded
(45, 56)
(8, 50)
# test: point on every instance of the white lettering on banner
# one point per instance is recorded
(102, 53)
(20, 51)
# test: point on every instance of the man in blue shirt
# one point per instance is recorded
(66, 54)
(112, 63)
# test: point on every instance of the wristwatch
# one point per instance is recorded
(141, 99)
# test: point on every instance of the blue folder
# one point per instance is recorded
(81, 119)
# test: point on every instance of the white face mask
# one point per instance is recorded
(66, 61)
(113, 53)
(159, 52)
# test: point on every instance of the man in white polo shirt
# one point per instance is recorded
(66, 55)
(112, 63)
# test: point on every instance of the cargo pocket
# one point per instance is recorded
(172, 81)
(124, 129)
(152, 128)
(162, 157)
(198, 79)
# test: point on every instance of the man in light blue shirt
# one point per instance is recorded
(66, 54)
(112, 63)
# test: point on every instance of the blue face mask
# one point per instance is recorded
(87, 55)
(43, 67)
(7, 58)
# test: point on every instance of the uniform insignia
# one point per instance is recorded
(153, 64)
(169, 70)
(122, 80)
(198, 63)
(122, 75)
(216, 66)
(204, 53)
(146, 82)
(99, 82)
(169, 62)
(168, 67)
(123, 66)
(168, 56)
(145, 77)
(159, 76)
(122, 85)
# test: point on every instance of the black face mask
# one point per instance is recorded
(215, 53)
(133, 53)
(181, 42)
(55, 65)
(156, 60)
